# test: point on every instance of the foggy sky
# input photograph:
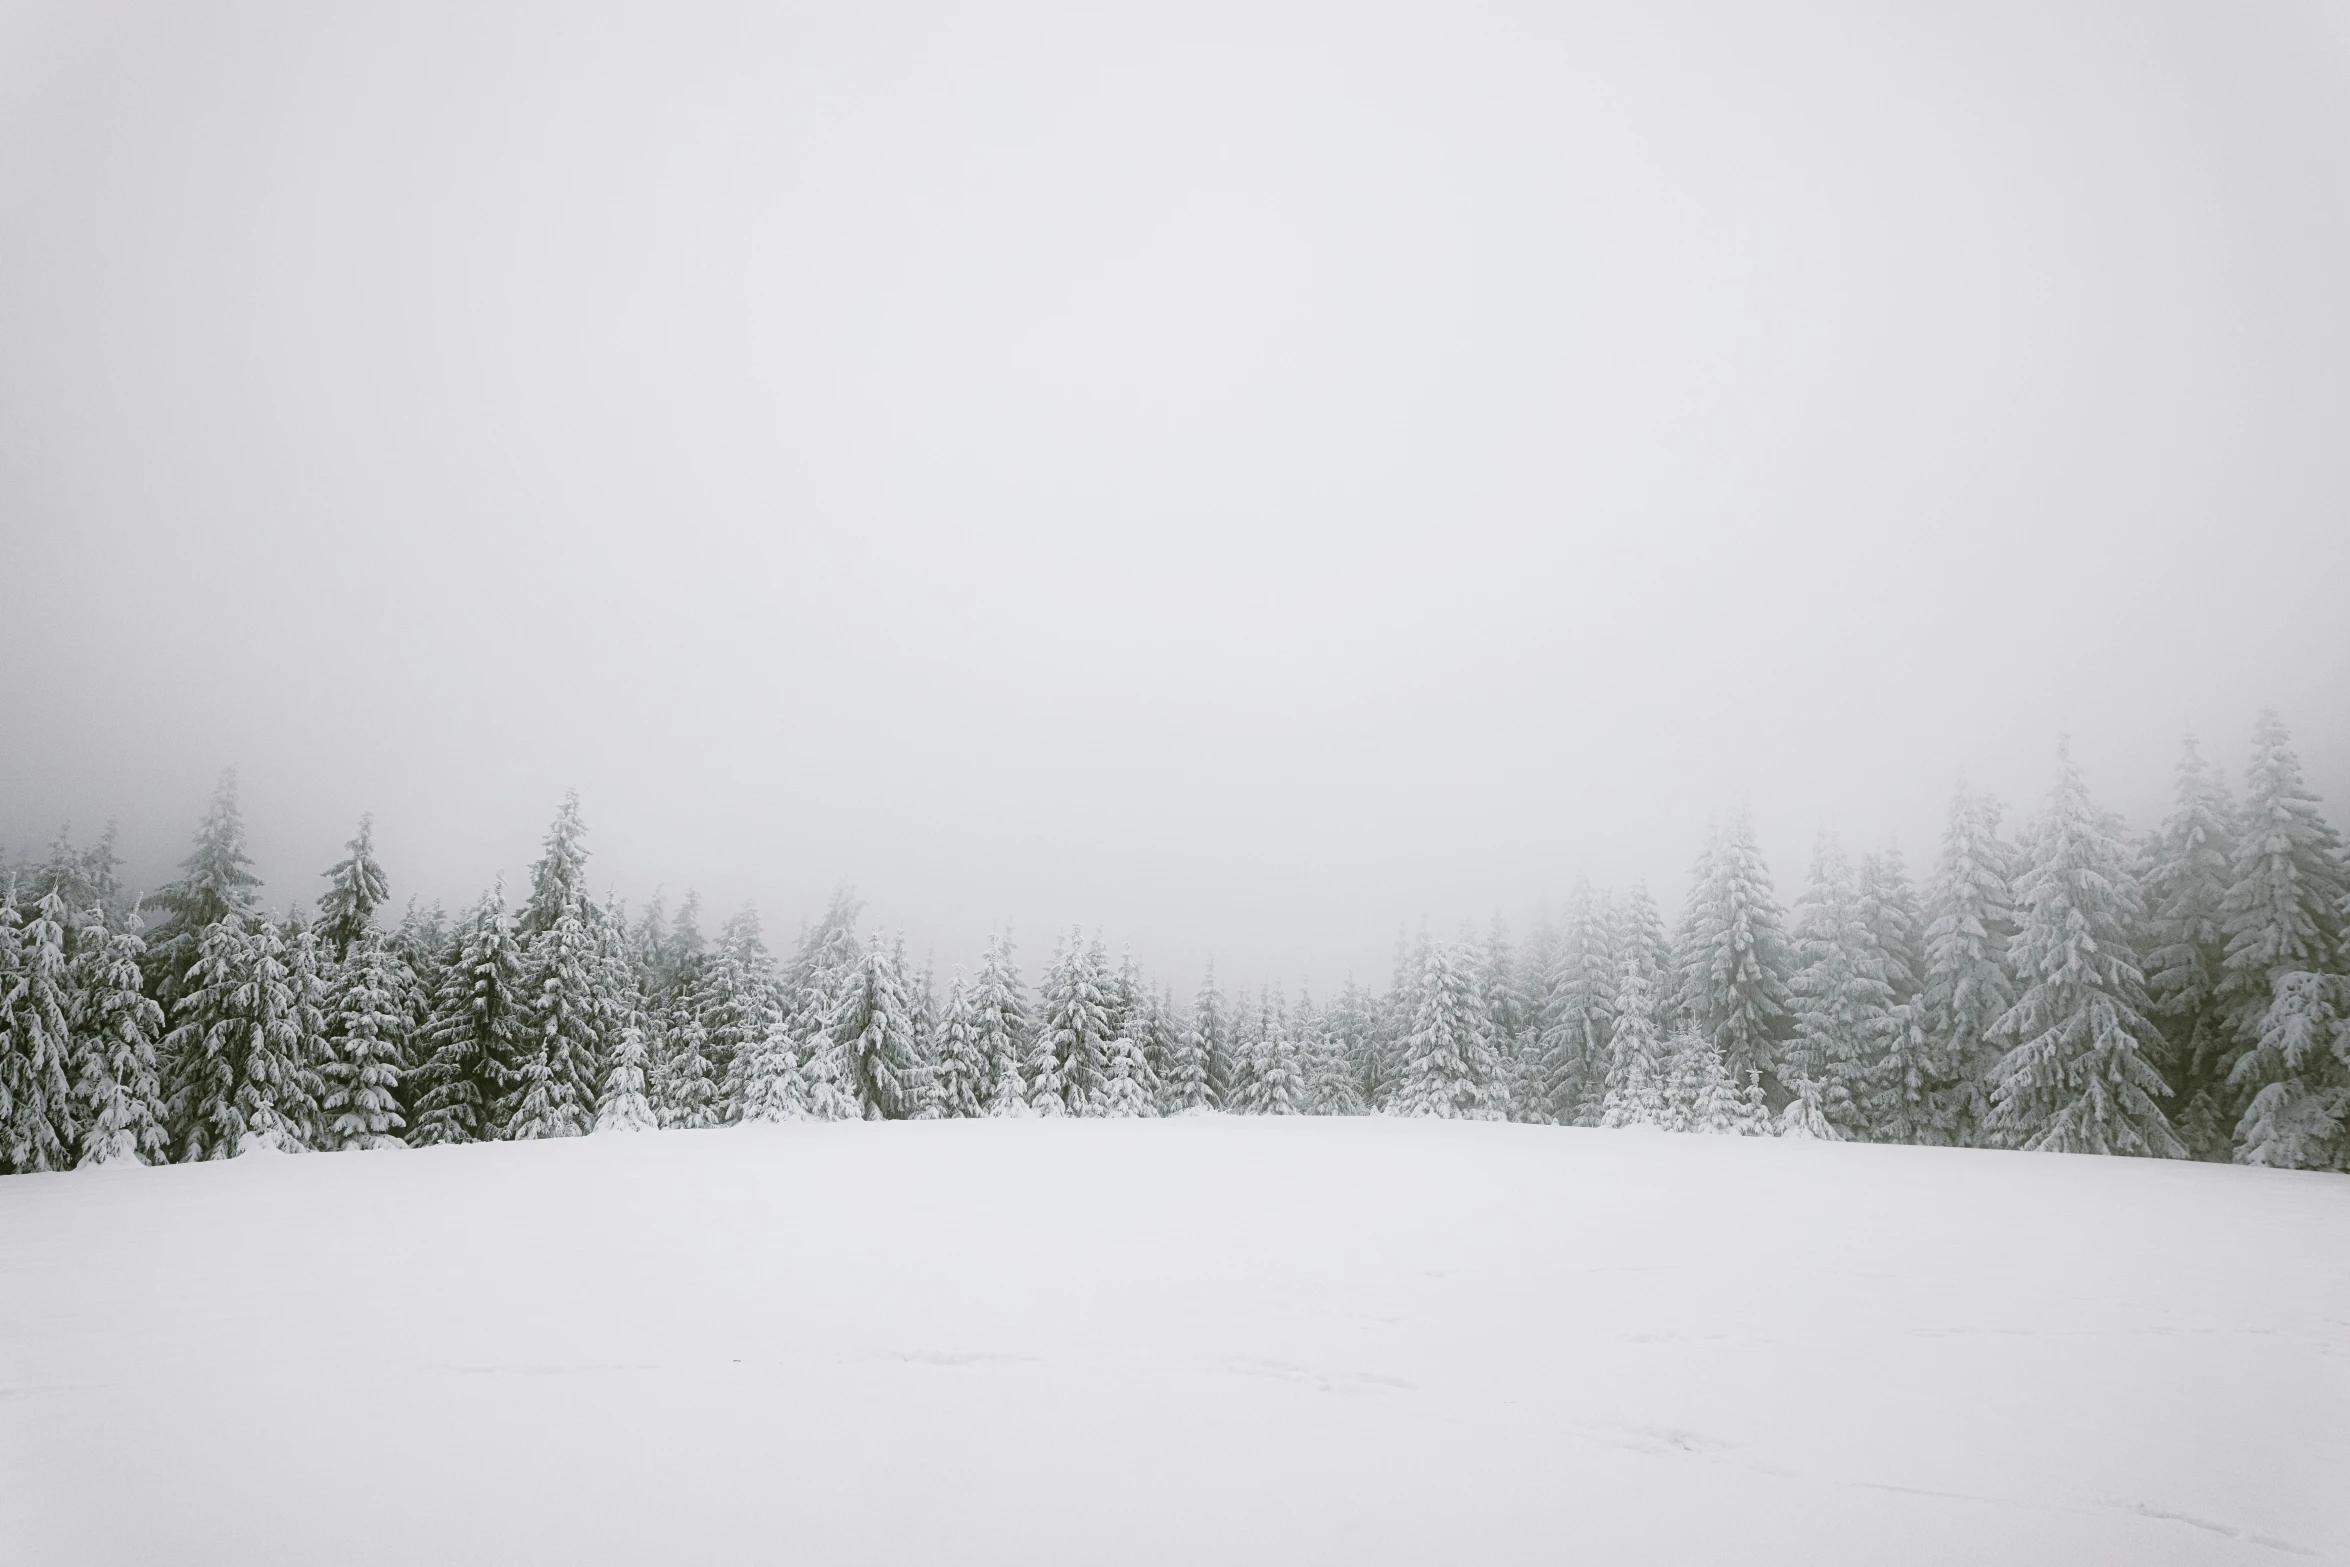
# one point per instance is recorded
(1246, 477)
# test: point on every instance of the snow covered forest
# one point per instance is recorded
(2067, 987)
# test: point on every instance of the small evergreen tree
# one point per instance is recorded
(623, 1106)
(960, 1070)
(1189, 1085)
(1578, 1011)
(1072, 1032)
(1639, 1068)
(553, 1089)
(1275, 1084)
(1843, 1005)
(1001, 1029)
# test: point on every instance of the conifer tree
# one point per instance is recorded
(306, 983)
(623, 1106)
(1275, 1085)
(218, 881)
(116, 1028)
(827, 965)
(687, 1090)
(2299, 1115)
(553, 1089)
(558, 880)
(1186, 1086)
(1896, 925)
(1578, 1013)
(1001, 1029)
(477, 1032)
(1450, 1067)
(959, 1075)
(1072, 1032)
(2187, 875)
(356, 888)
(2285, 917)
(1346, 1034)
(875, 1026)
(1699, 1097)
(1734, 960)
(1843, 1005)
(1638, 1064)
(2076, 1077)
(1634, 933)
(367, 1026)
(1969, 985)
(738, 1004)
(242, 1081)
(38, 1128)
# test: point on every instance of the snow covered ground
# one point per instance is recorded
(1208, 1340)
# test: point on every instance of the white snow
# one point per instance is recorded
(1200, 1340)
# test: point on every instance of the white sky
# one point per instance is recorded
(1247, 476)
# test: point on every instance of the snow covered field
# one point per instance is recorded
(1203, 1340)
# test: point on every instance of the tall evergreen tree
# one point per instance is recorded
(1734, 959)
(558, 881)
(367, 1027)
(218, 880)
(1450, 1066)
(553, 1089)
(477, 1033)
(738, 1003)
(38, 1129)
(1073, 1023)
(1002, 1031)
(306, 983)
(356, 888)
(2187, 874)
(1896, 924)
(116, 1028)
(1185, 1085)
(1275, 1087)
(1638, 1062)
(1844, 1022)
(241, 1080)
(1969, 986)
(1578, 1013)
(959, 1074)
(2285, 917)
(875, 1025)
(2077, 1077)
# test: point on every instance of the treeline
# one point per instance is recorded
(2186, 993)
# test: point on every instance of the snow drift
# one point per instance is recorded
(1199, 1340)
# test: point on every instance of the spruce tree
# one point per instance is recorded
(1346, 1035)
(558, 880)
(2076, 1077)
(306, 984)
(959, 1074)
(1896, 924)
(1073, 1036)
(1578, 1012)
(1001, 1028)
(2285, 918)
(1699, 1097)
(116, 1028)
(553, 1089)
(1639, 1067)
(1969, 985)
(356, 888)
(828, 964)
(738, 1003)
(1843, 1006)
(874, 1023)
(242, 1082)
(1450, 1067)
(686, 1090)
(623, 1105)
(1734, 960)
(2187, 875)
(218, 881)
(1185, 1086)
(478, 1030)
(2299, 1114)
(1274, 1087)
(367, 1028)
(38, 1129)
